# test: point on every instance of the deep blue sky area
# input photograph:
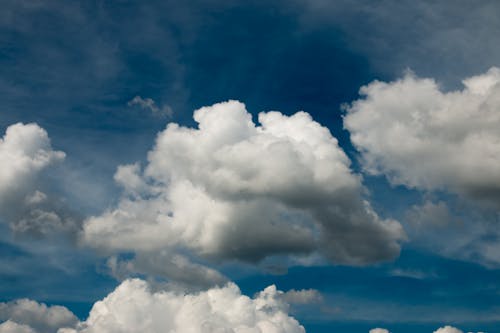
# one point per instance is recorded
(75, 68)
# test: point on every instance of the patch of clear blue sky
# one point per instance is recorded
(73, 66)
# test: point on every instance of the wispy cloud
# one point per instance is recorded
(150, 105)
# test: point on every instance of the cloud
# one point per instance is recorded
(448, 329)
(379, 330)
(424, 138)
(132, 307)
(29, 316)
(182, 272)
(12, 327)
(413, 274)
(304, 296)
(432, 37)
(429, 214)
(26, 152)
(234, 190)
(149, 104)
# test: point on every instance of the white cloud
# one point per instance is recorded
(25, 152)
(12, 327)
(129, 177)
(29, 316)
(379, 330)
(234, 190)
(448, 329)
(422, 137)
(132, 307)
(149, 104)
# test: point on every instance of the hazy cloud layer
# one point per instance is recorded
(181, 271)
(281, 187)
(304, 296)
(448, 39)
(424, 138)
(471, 233)
(132, 307)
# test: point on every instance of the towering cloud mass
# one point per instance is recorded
(132, 307)
(234, 190)
(422, 137)
(25, 151)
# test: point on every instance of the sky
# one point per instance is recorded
(249, 166)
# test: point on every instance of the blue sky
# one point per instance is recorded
(397, 227)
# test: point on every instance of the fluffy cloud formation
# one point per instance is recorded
(422, 137)
(379, 330)
(25, 151)
(132, 307)
(231, 189)
(29, 316)
(12, 327)
(448, 329)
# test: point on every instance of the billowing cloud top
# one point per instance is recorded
(13, 327)
(422, 137)
(25, 151)
(29, 316)
(281, 187)
(132, 307)
(448, 329)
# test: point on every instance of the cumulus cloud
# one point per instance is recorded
(150, 105)
(25, 152)
(29, 316)
(12, 327)
(448, 329)
(235, 190)
(379, 330)
(424, 138)
(132, 307)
